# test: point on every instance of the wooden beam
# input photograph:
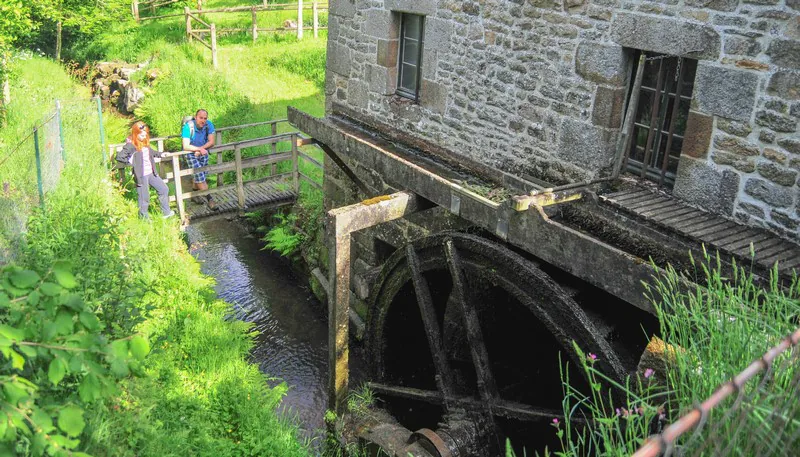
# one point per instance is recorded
(340, 224)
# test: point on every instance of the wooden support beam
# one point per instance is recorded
(340, 224)
(343, 166)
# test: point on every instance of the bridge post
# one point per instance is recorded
(176, 176)
(274, 169)
(239, 179)
(295, 168)
(220, 158)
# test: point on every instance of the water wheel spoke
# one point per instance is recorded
(480, 356)
(444, 376)
(506, 409)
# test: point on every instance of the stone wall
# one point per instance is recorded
(537, 88)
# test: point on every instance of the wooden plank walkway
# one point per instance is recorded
(714, 231)
(257, 196)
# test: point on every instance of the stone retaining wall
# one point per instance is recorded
(537, 88)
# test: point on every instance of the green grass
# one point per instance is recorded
(712, 333)
(200, 397)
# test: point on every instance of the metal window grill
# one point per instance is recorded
(744, 417)
(662, 109)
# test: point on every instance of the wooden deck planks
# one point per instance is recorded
(715, 231)
(256, 196)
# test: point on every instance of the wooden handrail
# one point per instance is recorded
(277, 7)
(240, 163)
(221, 129)
(198, 19)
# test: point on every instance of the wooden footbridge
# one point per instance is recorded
(273, 182)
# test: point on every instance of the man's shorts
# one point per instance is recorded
(197, 162)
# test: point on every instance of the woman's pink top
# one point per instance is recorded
(147, 166)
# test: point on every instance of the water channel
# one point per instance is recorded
(292, 339)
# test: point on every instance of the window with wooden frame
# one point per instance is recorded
(661, 114)
(412, 29)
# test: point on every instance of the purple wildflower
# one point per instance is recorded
(592, 357)
(649, 372)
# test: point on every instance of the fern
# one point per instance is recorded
(281, 239)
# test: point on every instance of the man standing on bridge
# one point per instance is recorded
(198, 136)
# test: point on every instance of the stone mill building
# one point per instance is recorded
(589, 137)
(538, 88)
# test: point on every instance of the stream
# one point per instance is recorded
(292, 341)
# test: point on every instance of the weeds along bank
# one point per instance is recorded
(195, 393)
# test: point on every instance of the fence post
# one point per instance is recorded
(102, 130)
(214, 45)
(60, 131)
(295, 168)
(199, 5)
(135, 9)
(315, 8)
(58, 41)
(239, 178)
(38, 165)
(299, 19)
(274, 169)
(255, 25)
(188, 23)
(266, 3)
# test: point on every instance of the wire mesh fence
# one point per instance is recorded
(757, 413)
(32, 166)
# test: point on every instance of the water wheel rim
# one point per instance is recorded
(521, 278)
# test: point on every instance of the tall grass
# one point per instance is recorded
(711, 333)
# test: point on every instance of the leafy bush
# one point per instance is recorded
(58, 360)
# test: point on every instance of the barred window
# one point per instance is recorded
(410, 60)
(661, 115)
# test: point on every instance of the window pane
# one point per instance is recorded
(408, 78)
(412, 24)
(411, 52)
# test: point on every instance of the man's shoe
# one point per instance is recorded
(169, 214)
(198, 200)
(212, 205)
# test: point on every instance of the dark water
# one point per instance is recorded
(292, 342)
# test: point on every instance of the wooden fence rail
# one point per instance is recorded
(300, 7)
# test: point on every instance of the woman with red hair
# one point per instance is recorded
(138, 153)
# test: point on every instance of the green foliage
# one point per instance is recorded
(281, 237)
(58, 360)
(199, 395)
(309, 64)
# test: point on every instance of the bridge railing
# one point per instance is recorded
(272, 159)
